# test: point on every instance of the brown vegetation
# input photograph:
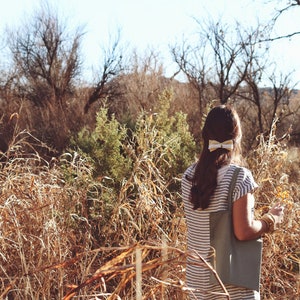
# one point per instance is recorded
(66, 233)
(90, 203)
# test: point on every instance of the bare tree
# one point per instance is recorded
(218, 64)
(110, 68)
(192, 61)
(253, 93)
(281, 94)
(233, 54)
(257, 57)
(47, 58)
(232, 63)
(271, 103)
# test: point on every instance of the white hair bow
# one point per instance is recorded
(214, 145)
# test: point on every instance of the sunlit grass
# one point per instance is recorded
(62, 237)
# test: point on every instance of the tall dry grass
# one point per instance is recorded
(38, 226)
(275, 167)
(60, 237)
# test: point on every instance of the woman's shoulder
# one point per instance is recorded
(242, 172)
(190, 170)
(245, 182)
(188, 175)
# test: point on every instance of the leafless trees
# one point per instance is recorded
(232, 64)
(45, 77)
(46, 63)
(47, 60)
(44, 84)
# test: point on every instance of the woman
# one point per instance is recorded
(205, 187)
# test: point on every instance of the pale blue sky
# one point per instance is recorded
(158, 23)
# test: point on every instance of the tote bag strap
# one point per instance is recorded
(232, 186)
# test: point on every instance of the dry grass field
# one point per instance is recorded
(65, 234)
(90, 168)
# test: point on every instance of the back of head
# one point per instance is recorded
(222, 125)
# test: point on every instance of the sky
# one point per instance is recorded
(158, 23)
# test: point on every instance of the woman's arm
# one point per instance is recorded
(244, 224)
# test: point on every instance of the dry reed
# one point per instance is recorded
(278, 176)
(51, 247)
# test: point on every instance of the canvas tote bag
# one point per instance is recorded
(236, 262)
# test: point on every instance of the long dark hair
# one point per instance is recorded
(222, 124)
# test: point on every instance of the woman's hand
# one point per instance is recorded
(246, 227)
(277, 211)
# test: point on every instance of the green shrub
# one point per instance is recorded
(137, 168)
(169, 138)
(105, 147)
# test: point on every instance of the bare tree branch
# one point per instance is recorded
(279, 37)
(282, 10)
(112, 66)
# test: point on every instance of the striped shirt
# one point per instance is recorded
(198, 234)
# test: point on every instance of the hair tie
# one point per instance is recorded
(214, 145)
